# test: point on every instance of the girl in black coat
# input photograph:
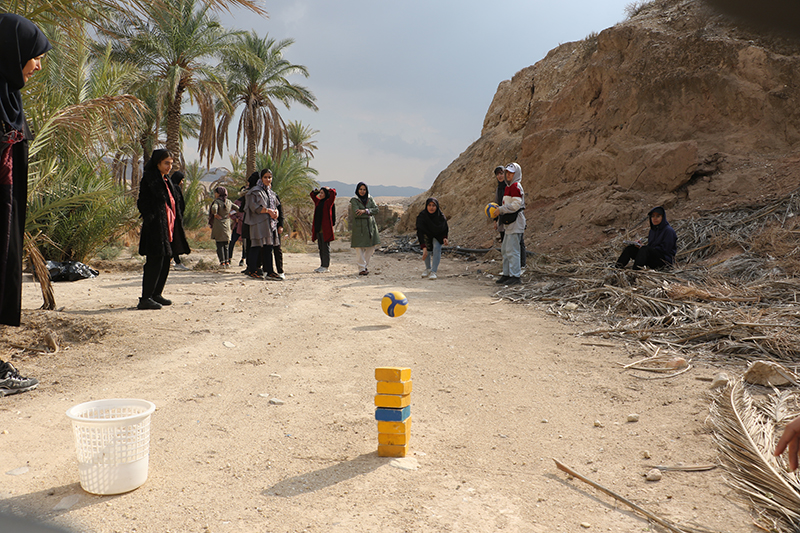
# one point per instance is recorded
(22, 46)
(162, 228)
(432, 233)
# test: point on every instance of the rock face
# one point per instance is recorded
(675, 106)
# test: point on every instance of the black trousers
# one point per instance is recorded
(222, 251)
(324, 251)
(156, 270)
(642, 257)
(278, 253)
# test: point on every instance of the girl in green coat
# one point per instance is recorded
(364, 236)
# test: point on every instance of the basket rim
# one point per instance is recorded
(74, 412)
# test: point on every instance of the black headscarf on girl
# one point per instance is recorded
(364, 199)
(432, 224)
(20, 41)
(158, 156)
(254, 178)
(177, 177)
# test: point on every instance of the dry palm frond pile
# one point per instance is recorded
(734, 291)
(747, 421)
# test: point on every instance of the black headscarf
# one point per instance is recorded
(159, 154)
(254, 178)
(432, 224)
(20, 41)
(364, 199)
(177, 178)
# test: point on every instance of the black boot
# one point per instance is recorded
(148, 303)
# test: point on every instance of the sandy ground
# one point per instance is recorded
(499, 390)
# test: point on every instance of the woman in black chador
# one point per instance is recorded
(22, 46)
(162, 228)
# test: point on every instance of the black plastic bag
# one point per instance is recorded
(70, 271)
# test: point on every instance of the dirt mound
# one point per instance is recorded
(48, 331)
(676, 106)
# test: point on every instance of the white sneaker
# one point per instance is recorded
(321, 270)
(181, 266)
(426, 273)
(282, 275)
(432, 276)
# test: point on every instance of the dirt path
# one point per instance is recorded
(499, 390)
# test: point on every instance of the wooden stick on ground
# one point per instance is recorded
(646, 513)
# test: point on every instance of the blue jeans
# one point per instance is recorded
(434, 256)
(511, 256)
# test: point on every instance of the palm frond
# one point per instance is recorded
(745, 431)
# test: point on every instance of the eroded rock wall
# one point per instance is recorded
(675, 106)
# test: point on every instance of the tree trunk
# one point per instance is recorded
(174, 127)
(251, 149)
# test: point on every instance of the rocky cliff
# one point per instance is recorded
(675, 106)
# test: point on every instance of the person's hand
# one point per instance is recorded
(280, 230)
(445, 242)
(424, 253)
(273, 213)
(790, 438)
(360, 212)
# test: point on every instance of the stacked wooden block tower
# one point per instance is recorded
(393, 410)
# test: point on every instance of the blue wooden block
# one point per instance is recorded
(387, 414)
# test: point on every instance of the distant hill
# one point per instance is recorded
(348, 189)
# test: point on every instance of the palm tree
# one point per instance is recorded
(257, 79)
(300, 142)
(173, 45)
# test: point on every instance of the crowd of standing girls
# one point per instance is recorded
(257, 219)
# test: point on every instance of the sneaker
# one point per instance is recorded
(282, 275)
(241, 262)
(254, 275)
(321, 269)
(502, 279)
(272, 276)
(160, 299)
(513, 281)
(11, 382)
(432, 275)
(364, 272)
(426, 273)
(181, 266)
(148, 303)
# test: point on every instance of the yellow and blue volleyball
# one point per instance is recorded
(491, 209)
(394, 303)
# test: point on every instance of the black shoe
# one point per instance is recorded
(160, 299)
(272, 276)
(148, 303)
(502, 279)
(11, 382)
(513, 281)
(255, 275)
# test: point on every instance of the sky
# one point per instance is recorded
(403, 87)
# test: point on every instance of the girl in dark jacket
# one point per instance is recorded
(432, 234)
(162, 228)
(322, 226)
(662, 244)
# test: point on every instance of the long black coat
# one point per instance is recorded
(152, 204)
(12, 229)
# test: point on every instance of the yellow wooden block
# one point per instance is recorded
(389, 439)
(391, 400)
(395, 427)
(394, 387)
(392, 373)
(392, 451)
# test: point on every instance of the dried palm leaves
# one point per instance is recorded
(747, 424)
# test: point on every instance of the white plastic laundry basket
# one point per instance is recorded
(112, 438)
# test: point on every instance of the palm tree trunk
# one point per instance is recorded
(251, 149)
(174, 127)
